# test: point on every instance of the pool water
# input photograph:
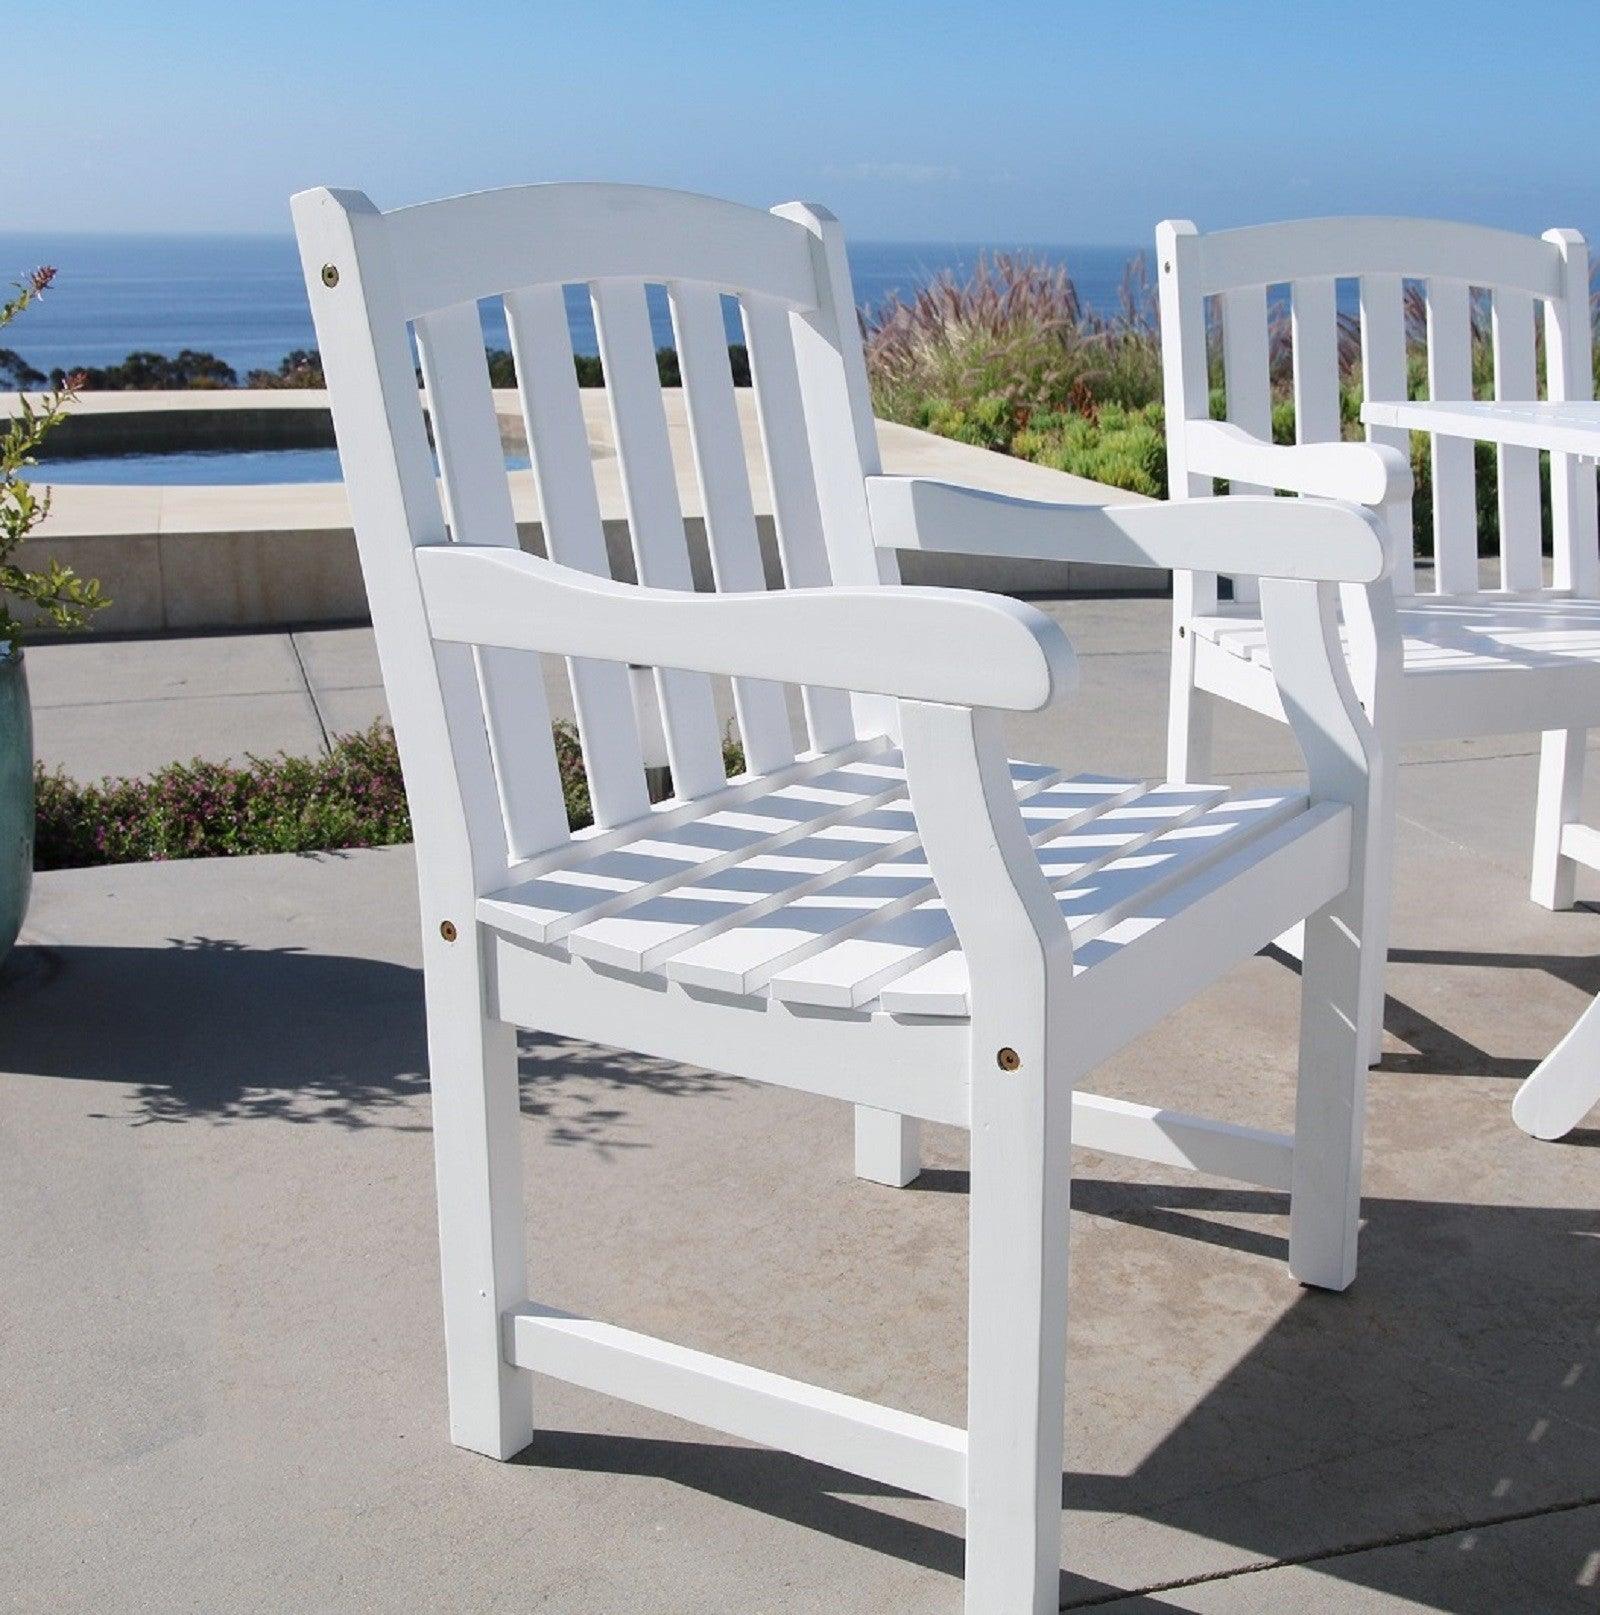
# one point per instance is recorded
(206, 467)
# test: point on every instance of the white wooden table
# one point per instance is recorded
(1566, 1084)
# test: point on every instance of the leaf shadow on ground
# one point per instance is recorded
(209, 1030)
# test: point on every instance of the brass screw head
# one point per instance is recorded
(1008, 1060)
(330, 274)
(448, 930)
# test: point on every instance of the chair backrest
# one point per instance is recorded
(1416, 280)
(377, 279)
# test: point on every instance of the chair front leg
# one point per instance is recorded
(472, 1062)
(888, 1147)
(1021, 1187)
(1561, 756)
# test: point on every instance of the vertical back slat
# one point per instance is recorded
(478, 506)
(1455, 510)
(730, 520)
(795, 513)
(569, 509)
(655, 519)
(1516, 377)
(1569, 340)
(1314, 320)
(1383, 375)
(1248, 385)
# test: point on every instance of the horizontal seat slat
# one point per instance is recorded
(746, 957)
(1111, 890)
(548, 906)
(853, 971)
(1464, 635)
(859, 864)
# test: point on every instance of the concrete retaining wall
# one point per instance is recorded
(182, 558)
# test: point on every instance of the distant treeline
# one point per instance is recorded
(189, 369)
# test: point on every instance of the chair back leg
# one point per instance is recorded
(1189, 714)
(1561, 753)
(888, 1147)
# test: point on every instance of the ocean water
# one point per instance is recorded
(241, 298)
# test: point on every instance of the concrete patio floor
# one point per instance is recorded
(220, 1335)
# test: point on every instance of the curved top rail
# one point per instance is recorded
(1422, 249)
(484, 243)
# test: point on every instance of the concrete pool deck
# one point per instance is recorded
(220, 1331)
(184, 558)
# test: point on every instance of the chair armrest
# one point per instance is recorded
(1316, 541)
(939, 645)
(1364, 473)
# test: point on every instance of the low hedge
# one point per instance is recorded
(352, 797)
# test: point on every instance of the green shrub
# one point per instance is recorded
(353, 797)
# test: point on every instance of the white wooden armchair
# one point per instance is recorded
(884, 910)
(1520, 655)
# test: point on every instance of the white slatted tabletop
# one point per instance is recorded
(1563, 428)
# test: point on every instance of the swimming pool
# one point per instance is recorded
(205, 468)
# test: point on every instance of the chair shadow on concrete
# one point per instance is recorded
(1452, 1387)
(1437, 1050)
(209, 1030)
(1423, 1403)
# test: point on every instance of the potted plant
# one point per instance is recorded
(55, 594)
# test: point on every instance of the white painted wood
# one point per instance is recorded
(888, 1147)
(1561, 427)
(1241, 533)
(1247, 387)
(1555, 872)
(1101, 875)
(1153, 1133)
(1455, 510)
(916, 1069)
(1314, 328)
(1360, 472)
(1020, 951)
(655, 521)
(549, 235)
(1565, 1086)
(459, 830)
(891, 641)
(572, 898)
(1569, 338)
(791, 483)
(478, 505)
(1582, 843)
(840, 430)
(1383, 375)
(594, 936)
(899, 1449)
(1186, 393)
(1523, 660)
(1328, 249)
(569, 507)
(1348, 759)
(1516, 378)
(821, 940)
(730, 519)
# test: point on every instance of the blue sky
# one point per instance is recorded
(1050, 123)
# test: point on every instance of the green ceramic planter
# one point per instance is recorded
(16, 798)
